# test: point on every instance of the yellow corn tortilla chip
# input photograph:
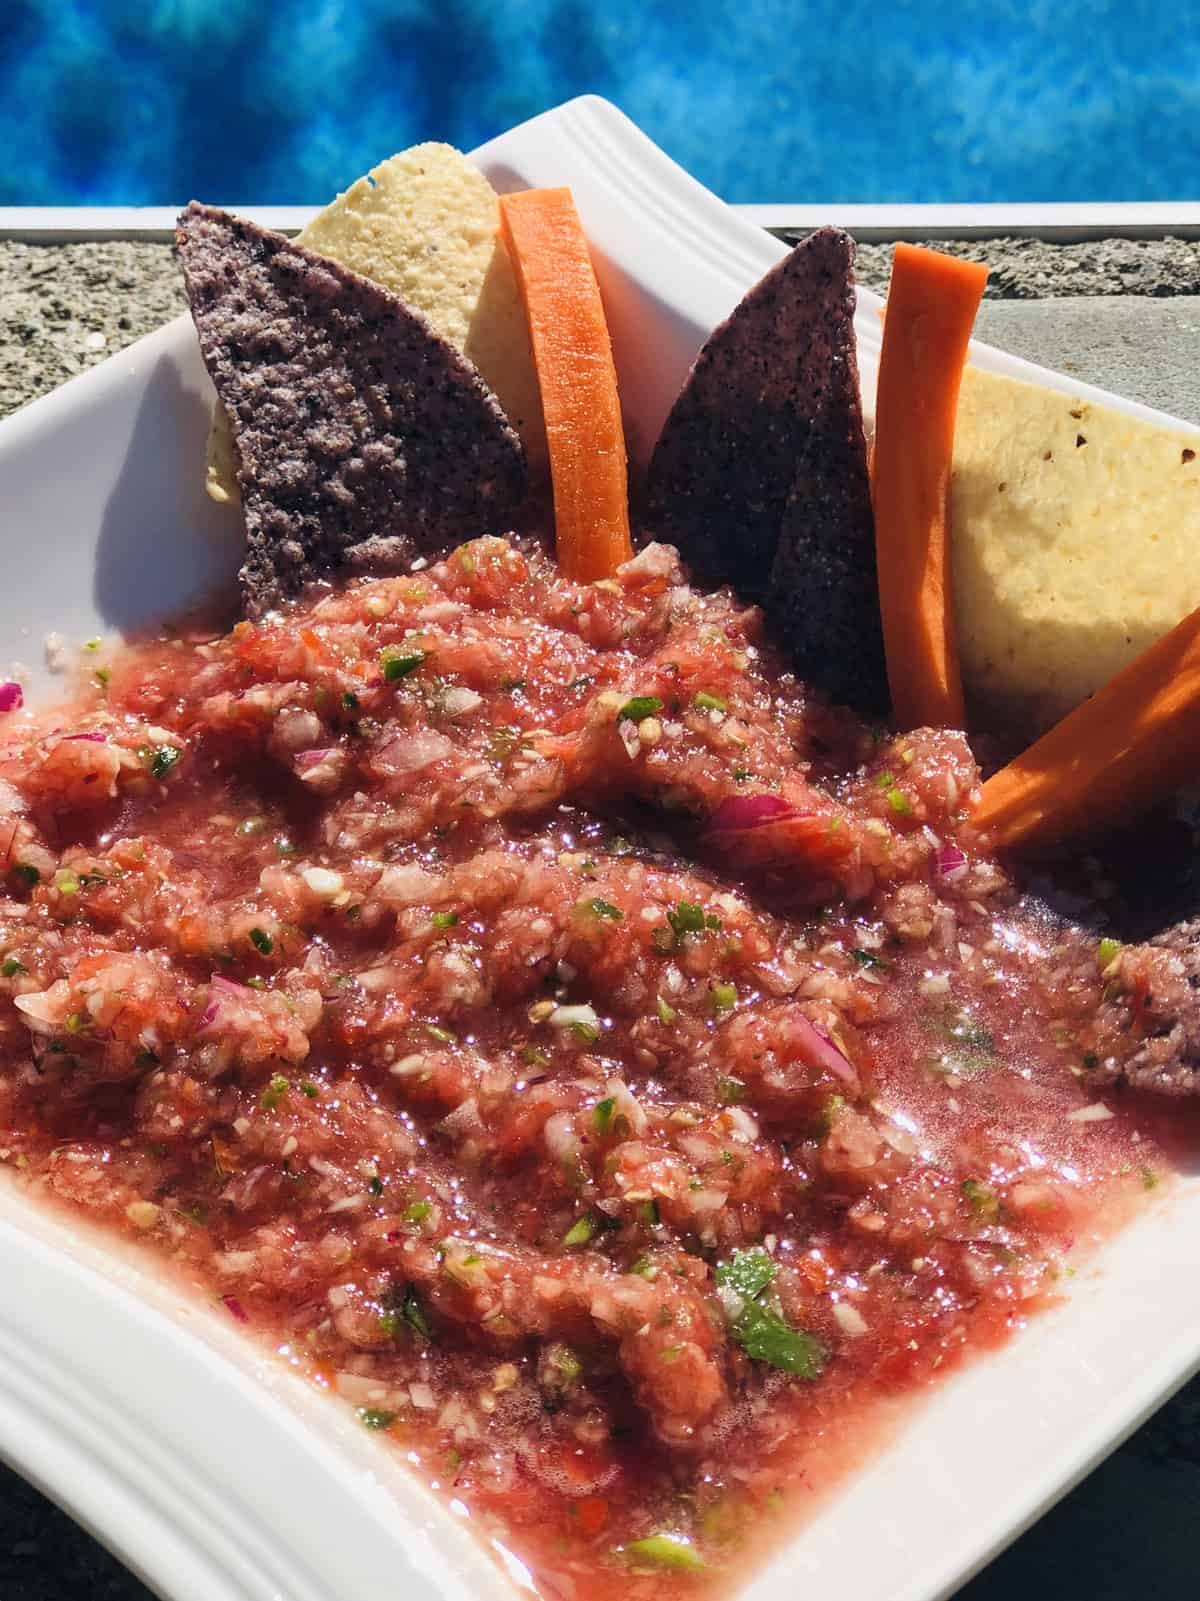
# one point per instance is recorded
(1075, 532)
(426, 225)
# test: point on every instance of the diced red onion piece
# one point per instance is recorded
(950, 863)
(311, 758)
(822, 1052)
(236, 1308)
(92, 738)
(220, 990)
(739, 812)
(12, 697)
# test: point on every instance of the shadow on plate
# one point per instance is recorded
(164, 548)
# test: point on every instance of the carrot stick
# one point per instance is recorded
(1135, 740)
(931, 306)
(573, 357)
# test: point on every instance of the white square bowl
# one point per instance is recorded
(213, 1471)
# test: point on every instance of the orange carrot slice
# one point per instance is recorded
(1134, 741)
(931, 306)
(572, 353)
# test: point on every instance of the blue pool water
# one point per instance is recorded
(143, 101)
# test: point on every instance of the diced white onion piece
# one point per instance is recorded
(850, 1320)
(1096, 1112)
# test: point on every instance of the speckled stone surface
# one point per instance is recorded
(1131, 1528)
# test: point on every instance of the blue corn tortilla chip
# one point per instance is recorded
(760, 474)
(357, 429)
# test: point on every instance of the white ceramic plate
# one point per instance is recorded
(210, 1468)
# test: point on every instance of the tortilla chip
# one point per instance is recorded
(1075, 537)
(426, 225)
(760, 475)
(352, 420)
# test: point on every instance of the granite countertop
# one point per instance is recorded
(1121, 313)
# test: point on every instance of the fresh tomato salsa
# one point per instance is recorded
(611, 1069)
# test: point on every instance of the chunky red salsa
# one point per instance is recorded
(613, 1070)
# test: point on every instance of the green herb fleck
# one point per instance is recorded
(868, 958)
(262, 941)
(730, 1091)
(66, 882)
(562, 1367)
(1107, 952)
(710, 703)
(350, 700)
(13, 968)
(602, 1114)
(256, 983)
(534, 1056)
(274, 1093)
(414, 1314)
(372, 1417)
(666, 1012)
(582, 1231)
(604, 909)
(396, 666)
(445, 919)
(724, 998)
(665, 1550)
(686, 918)
(638, 707)
(982, 1199)
(103, 677)
(310, 1089)
(27, 873)
(417, 1212)
(375, 1185)
(650, 1214)
(899, 802)
(444, 1036)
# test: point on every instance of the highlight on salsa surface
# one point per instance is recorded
(502, 970)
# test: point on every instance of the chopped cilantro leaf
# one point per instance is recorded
(686, 918)
(12, 968)
(262, 941)
(761, 1332)
(445, 919)
(746, 1272)
(710, 703)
